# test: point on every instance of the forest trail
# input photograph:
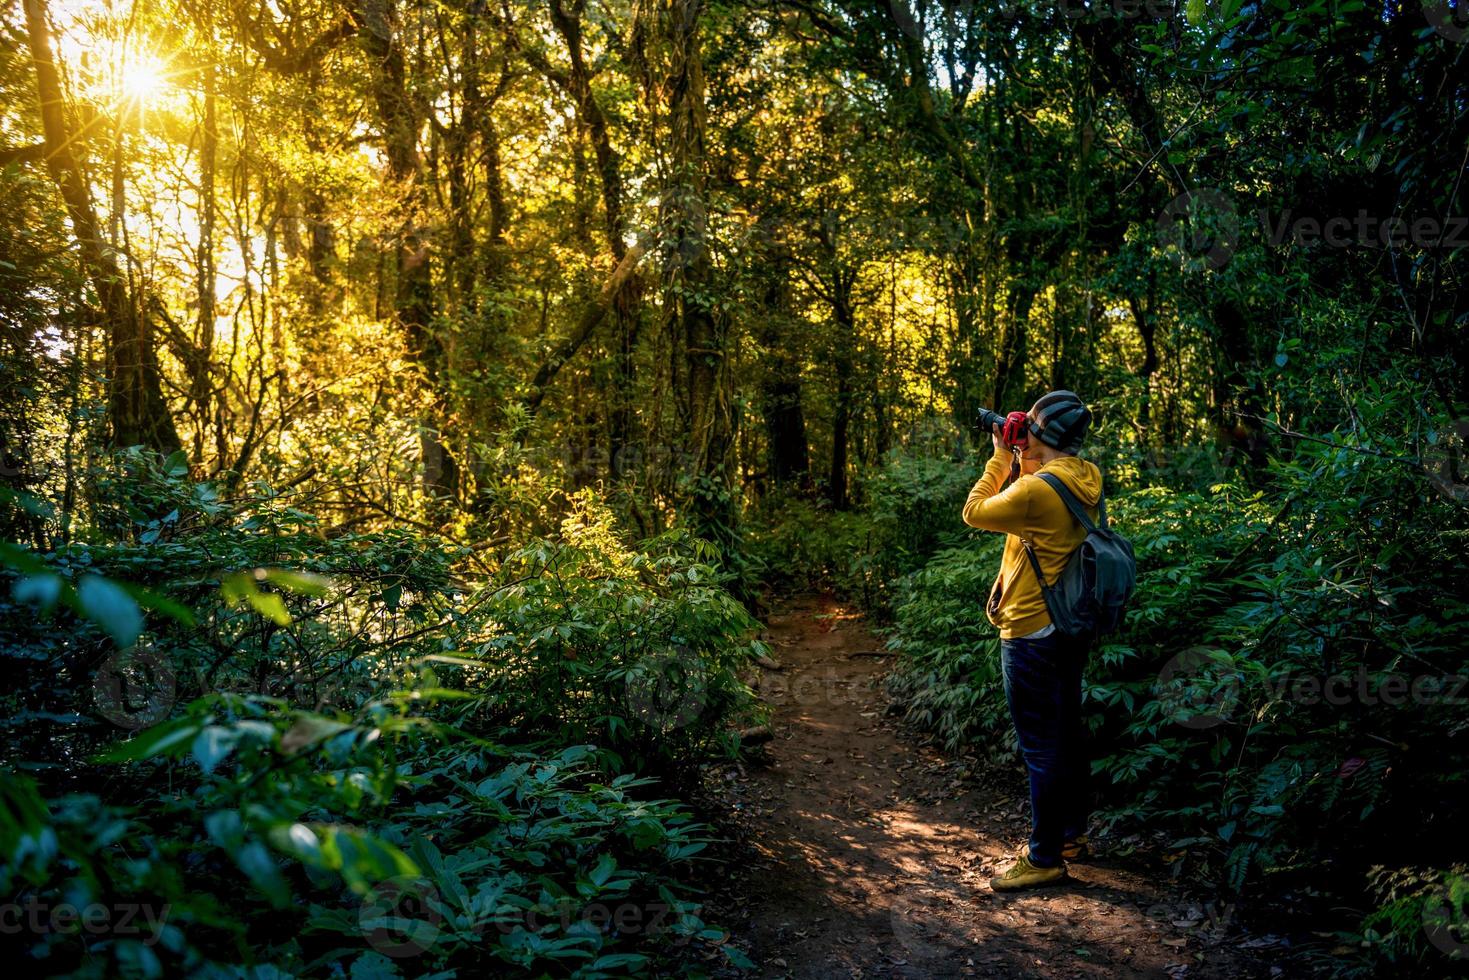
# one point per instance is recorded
(866, 854)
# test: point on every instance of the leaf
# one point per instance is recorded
(177, 464)
(308, 730)
(737, 958)
(603, 870)
(157, 602)
(619, 960)
(241, 586)
(373, 966)
(261, 869)
(39, 590)
(360, 858)
(212, 745)
(154, 741)
(21, 559)
(304, 583)
(108, 605)
(392, 595)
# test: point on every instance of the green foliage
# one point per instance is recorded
(283, 751)
(639, 650)
(1420, 916)
(950, 653)
(912, 512)
(302, 836)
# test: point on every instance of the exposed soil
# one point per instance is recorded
(863, 853)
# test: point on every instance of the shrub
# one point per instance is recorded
(331, 728)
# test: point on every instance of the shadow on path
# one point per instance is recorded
(868, 855)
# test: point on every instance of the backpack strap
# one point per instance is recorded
(1074, 505)
(1035, 563)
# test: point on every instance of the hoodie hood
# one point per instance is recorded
(1081, 477)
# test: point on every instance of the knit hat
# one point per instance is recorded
(1061, 420)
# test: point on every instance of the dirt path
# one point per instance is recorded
(864, 854)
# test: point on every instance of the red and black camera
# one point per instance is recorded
(1014, 428)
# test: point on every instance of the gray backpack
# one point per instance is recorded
(1091, 593)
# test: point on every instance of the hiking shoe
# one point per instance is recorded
(1076, 848)
(1023, 875)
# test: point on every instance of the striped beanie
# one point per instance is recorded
(1061, 420)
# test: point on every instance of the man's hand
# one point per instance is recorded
(995, 438)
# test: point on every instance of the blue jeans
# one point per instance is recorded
(1043, 689)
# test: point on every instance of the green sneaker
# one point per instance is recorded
(1025, 875)
(1076, 849)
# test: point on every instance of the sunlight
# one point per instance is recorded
(142, 78)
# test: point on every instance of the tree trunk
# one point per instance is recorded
(1009, 388)
(692, 318)
(787, 451)
(137, 410)
(413, 298)
(1147, 328)
(842, 362)
(201, 383)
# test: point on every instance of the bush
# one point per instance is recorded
(638, 650)
(913, 511)
(326, 731)
(295, 839)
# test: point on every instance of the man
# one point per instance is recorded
(1041, 668)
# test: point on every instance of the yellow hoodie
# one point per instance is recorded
(1029, 508)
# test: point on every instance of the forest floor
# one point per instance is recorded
(859, 852)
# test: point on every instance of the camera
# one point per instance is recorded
(1014, 428)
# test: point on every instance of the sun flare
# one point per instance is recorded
(143, 78)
